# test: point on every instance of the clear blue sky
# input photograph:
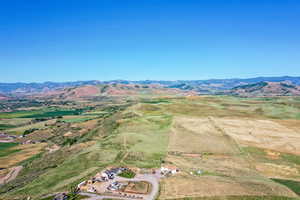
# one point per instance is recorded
(67, 40)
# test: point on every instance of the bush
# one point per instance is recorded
(127, 174)
(70, 141)
(28, 131)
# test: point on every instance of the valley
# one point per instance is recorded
(150, 100)
(224, 147)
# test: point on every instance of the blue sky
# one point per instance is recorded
(68, 40)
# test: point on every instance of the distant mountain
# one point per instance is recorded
(20, 89)
(211, 86)
(109, 89)
(285, 88)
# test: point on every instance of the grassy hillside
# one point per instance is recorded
(201, 132)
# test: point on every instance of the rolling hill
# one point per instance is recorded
(109, 90)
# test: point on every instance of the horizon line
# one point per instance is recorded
(140, 80)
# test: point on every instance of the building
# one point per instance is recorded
(169, 170)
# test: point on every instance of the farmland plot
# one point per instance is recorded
(262, 133)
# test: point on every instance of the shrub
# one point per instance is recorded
(127, 174)
(28, 131)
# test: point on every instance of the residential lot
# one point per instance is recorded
(142, 186)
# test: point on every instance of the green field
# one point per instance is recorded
(293, 185)
(144, 139)
(6, 126)
(4, 146)
(42, 113)
(78, 119)
(57, 113)
(5, 149)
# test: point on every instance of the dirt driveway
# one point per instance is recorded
(11, 175)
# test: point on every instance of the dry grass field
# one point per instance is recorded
(210, 186)
(194, 135)
(26, 151)
(265, 134)
(227, 169)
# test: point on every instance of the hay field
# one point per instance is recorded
(194, 135)
(266, 134)
(227, 168)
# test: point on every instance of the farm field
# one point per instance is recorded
(18, 153)
(7, 148)
(225, 171)
(41, 113)
(242, 146)
(20, 130)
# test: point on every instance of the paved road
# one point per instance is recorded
(151, 178)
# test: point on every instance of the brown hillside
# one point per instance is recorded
(89, 91)
(3, 97)
(86, 91)
(267, 89)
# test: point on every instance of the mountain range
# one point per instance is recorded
(259, 86)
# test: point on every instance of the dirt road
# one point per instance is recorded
(11, 175)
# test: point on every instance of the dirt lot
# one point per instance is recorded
(141, 187)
